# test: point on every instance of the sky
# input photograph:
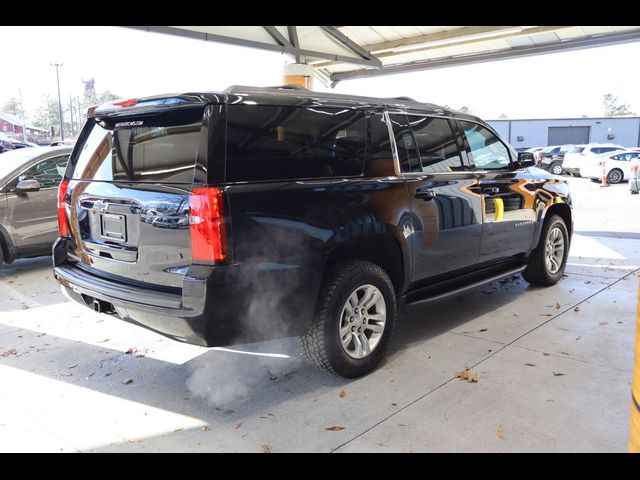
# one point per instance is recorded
(134, 63)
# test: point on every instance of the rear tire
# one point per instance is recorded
(331, 341)
(556, 168)
(549, 259)
(1, 256)
(615, 176)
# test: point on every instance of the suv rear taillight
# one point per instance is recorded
(63, 223)
(206, 221)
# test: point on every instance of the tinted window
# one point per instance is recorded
(604, 149)
(152, 148)
(48, 173)
(436, 144)
(485, 150)
(277, 143)
(379, 153)
(406, 144)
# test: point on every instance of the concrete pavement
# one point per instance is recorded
(554, 368)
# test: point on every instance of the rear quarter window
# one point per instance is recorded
(281, 143)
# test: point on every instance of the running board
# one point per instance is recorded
(456, 291)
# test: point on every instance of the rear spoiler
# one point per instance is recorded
(152, 104)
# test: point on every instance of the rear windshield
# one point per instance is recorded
(145, 148)
(575, 150)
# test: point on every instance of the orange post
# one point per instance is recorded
(604, 175)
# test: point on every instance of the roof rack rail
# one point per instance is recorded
(291, 86)
(405, 98)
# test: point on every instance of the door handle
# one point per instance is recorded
(491, 190)
(425, 195)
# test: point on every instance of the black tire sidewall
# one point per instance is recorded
(619, 172)
(342, 363)
(555, 221)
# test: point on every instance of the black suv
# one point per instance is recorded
(260, 213)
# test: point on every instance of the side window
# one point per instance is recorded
(617, 157)
(406, 144)
(49, 172)
(379, 153)
(436, 144)
(485, 150)
(278, 143)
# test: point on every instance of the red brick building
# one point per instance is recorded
(12, 126)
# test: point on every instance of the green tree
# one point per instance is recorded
(465, 109)
(613, 107)
(48, 115)
(13, 107)
(502, 115)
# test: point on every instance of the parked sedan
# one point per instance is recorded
(616, 166)
(29, 179)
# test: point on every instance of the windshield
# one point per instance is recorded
(10, 161)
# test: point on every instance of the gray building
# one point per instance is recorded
(525, 133)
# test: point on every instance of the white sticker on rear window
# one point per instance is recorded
(129, 124)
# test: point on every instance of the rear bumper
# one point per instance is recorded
(218, 305)
(181, 317)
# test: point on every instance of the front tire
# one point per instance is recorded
(549, 259)
(354, 320)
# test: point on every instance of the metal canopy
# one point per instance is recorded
(345, 52)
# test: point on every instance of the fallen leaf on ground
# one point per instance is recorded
(394, 404)
(206, 428)
(557, 305)
(604, 322)
(546, 354)
(572, 290)
(242, 436)
(127, 381)
(530, 364)
(177, 430)
(587, 281)
(131, 350)
(546, 315)
(483, 330)
(467, 375)
(73, 366)
(577, 309)
(238, 425)
(380, 444)
(335, 428)
(579, 337)
(500, 432)
(342, 393)
(133, 440)
(265, 448)
(564, 353)
(558, 374)
(271, 375)
(11, 351)
(402, 424)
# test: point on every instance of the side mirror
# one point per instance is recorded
(526, 159)
(28, 186)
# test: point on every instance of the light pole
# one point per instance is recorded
(58, 65)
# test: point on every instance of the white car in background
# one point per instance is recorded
(616, 166)
(634, 179)
(579, 155)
